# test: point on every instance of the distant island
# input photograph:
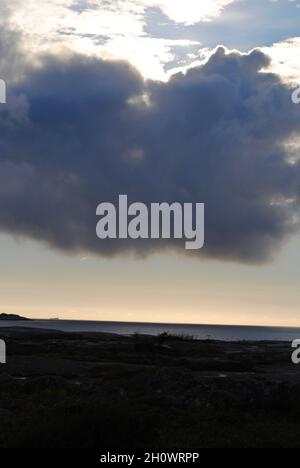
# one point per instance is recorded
(12, 317)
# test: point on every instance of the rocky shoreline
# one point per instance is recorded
(13, 317)
(92, 389)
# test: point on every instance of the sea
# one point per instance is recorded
(202, 332)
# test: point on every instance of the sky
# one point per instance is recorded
(163, 100)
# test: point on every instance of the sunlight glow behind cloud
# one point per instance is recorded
(113, 29)
(116, 29)
(190, 11)
(285, 59)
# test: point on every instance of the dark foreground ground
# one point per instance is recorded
(106, 391)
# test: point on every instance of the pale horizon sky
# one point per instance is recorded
(83, 288)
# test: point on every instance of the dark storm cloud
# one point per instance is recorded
(78, 131)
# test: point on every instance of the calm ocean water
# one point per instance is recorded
(215, 332)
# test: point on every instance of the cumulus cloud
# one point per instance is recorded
(79, 130)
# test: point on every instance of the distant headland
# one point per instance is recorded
(12, 317)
